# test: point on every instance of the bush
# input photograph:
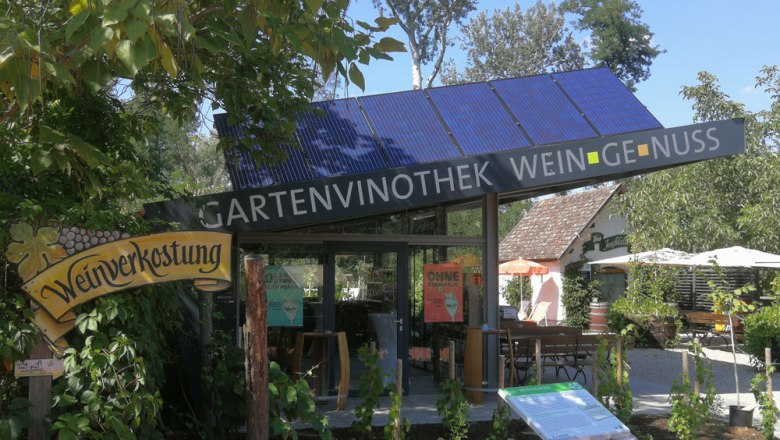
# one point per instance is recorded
(646, 314)
(577, 295)
(762, 329)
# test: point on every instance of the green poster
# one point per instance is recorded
(285, 298)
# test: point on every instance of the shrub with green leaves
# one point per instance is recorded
(396, 428)
(691, 411)
(292, 400)
(765, 402)
(578, 293)
(613, 391)
(454, 410)
(371, 387)
(762, 329)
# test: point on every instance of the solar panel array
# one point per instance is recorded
(359, 135)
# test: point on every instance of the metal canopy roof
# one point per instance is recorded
(358, 135)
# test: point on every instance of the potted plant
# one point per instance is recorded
(730, 303)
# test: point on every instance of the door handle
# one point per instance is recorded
(400, 324)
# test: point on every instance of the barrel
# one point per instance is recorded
(598, 317)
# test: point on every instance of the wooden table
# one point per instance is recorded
(320, 362)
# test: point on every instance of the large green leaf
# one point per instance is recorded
(87, 152)
(135, 28)
(124, 51)
(356, 76)
(74, 23)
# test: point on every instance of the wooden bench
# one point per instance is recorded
(559, 351)
(704, 326)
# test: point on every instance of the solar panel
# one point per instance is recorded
(244, 172)
(292, 169)
(606, 101)
(543, 110)
(477, 118)
(408, 129)
(338, 140)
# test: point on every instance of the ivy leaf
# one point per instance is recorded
(356, 76)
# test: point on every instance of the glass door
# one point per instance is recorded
(366, 296)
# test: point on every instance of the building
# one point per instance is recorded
(561, 230)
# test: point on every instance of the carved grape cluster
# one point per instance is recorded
(75, 239)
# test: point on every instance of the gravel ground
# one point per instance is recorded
(653, 372)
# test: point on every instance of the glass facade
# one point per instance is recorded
(354, 277)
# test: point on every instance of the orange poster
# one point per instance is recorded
(443, 292)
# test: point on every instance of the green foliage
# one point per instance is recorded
(426, 24)
(395, 428)
(654, 282)
(578, 292)
(613, 391)
(762, 329)
(691, 411)
(502, 417)
(224, 382)
(14, 417)
(510, 43)
(642, 316)
(289, 401)
(454, 410)
(739, 203)
(618, 39)
(371, 387)
(768, 408)
(518, 289)
(114, 369)
(730, 302)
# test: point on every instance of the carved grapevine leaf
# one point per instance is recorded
(34, 251)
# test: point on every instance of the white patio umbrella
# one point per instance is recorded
(737, 256)
(660, 257)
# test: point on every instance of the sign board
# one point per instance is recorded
(443, 292)
(387, 190)
(284, 297)
(39, 367)
(564, 411)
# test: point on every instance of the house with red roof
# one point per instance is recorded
(560, 230)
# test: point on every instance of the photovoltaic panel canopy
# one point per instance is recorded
(353, 136)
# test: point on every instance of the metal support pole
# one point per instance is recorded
(490, 280)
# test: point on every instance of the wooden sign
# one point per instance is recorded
(39, 367)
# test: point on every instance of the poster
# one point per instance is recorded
(443, 292)
(564, 411)
(284, 297)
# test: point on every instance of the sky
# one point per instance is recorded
(730, 39)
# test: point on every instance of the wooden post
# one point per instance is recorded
(39, 393)
(619, 348)
(768, 361)
(595, 372)
(452, 367)
(696, 384)
(501, 372)
(538, 353)
(399, 375)
(256, 350)
(685, 370)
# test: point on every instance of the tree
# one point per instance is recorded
(511, 43)
(721, 202)
(89, 90)
(426, 24)
(618, 38)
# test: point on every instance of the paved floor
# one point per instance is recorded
(651, 377)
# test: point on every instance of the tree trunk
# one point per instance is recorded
(255, 349)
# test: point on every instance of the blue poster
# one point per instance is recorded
(285, 298)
